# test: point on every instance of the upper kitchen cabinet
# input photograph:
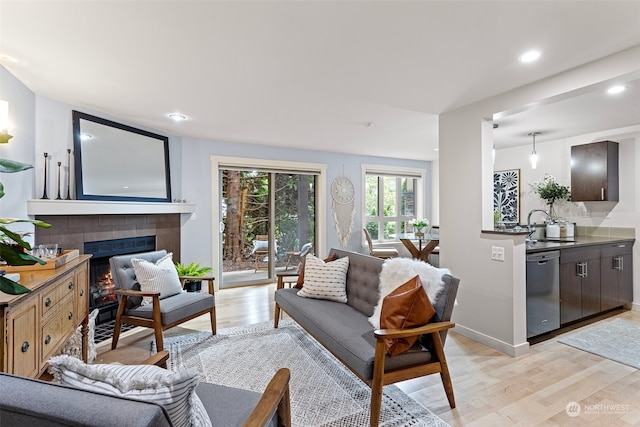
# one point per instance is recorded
(594, 172)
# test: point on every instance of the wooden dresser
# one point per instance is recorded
(36, 325)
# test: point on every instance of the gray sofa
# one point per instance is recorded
(345, 331)
(35, 403)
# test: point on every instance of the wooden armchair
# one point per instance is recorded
(161, 314)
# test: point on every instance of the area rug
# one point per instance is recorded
(323, 391)
(617, 340)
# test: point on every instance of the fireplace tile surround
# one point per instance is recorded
(72, 231)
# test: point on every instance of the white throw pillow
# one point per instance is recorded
(396, 271)
(73, 346)
(175, 391)
(325, 280)
(159, 277)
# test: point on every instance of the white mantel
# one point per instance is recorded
(94, 207)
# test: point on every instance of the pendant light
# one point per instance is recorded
(534, 155)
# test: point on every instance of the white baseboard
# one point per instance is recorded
(635, 306)
(506, 348)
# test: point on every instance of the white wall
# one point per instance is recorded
(17, 186)
(491, 299)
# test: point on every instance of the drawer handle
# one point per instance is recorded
(47, 302)
(70, 315)
(70, 285)
(25, 346)
(47, 339)
(81, 292)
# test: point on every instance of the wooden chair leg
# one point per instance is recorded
(376, 384)
(118, 325)
(213, 320)
(444, 372)
(157, 324)
(276, 316)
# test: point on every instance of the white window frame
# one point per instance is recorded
(398, 171)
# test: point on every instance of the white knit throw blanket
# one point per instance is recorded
(397, 271)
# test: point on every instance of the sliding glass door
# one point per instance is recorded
(267, 218)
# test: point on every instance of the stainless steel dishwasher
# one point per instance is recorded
(543, 292)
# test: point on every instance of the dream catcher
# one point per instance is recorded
(343, 206)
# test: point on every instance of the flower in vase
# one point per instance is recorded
(419, 224)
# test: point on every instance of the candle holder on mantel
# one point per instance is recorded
(44, 194)
(68, 173)
(59, 196)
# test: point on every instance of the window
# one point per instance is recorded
(392, 198)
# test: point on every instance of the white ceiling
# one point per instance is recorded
(309, 74)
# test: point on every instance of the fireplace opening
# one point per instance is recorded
(101, 287)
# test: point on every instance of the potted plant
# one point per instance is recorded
(419, 225)
(192, 270)
(13, 248)
(551, 191)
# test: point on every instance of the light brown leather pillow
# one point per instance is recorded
(408, 306)
(300, 281)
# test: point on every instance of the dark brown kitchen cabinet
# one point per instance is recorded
(616, 282)
(594, 172)
(579, 283)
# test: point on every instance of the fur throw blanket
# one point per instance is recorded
(397, 271)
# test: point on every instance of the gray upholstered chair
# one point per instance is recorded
(379, 252)
(161, 314)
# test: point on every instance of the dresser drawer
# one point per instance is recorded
(50, 298)
(23, 340)
(60, 325)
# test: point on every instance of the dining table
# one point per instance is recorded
(426, 243)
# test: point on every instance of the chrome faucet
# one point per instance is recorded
(532, 228)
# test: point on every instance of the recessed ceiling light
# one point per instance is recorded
(85, 136)
(616, 89)
(177, 117)
(436, 149)
(530, 56)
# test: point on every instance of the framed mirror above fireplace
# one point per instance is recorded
(117, 162)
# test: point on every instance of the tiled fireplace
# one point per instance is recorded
(103, 236)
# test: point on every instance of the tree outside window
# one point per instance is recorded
(390, 203)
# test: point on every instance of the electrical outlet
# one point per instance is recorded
(497, 253)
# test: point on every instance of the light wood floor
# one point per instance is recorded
(491, 389)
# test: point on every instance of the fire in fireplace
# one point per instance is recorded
(101, 287)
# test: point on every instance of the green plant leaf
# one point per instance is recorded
(12, 288)
(10, 166)
(1, 190)
(35, 222)
(15, 256)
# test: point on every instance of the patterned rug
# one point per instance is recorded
(323, 391)
(618, 340)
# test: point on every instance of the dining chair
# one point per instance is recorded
(377, 251)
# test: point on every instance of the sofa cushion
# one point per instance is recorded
(345, 331)
(300, 280)
(325, 280)
(406, 307)
(362, 280)
(397, 271)
(177, 307)
(175, 391)
(160, 276)
(228, 406)
(38, 403)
